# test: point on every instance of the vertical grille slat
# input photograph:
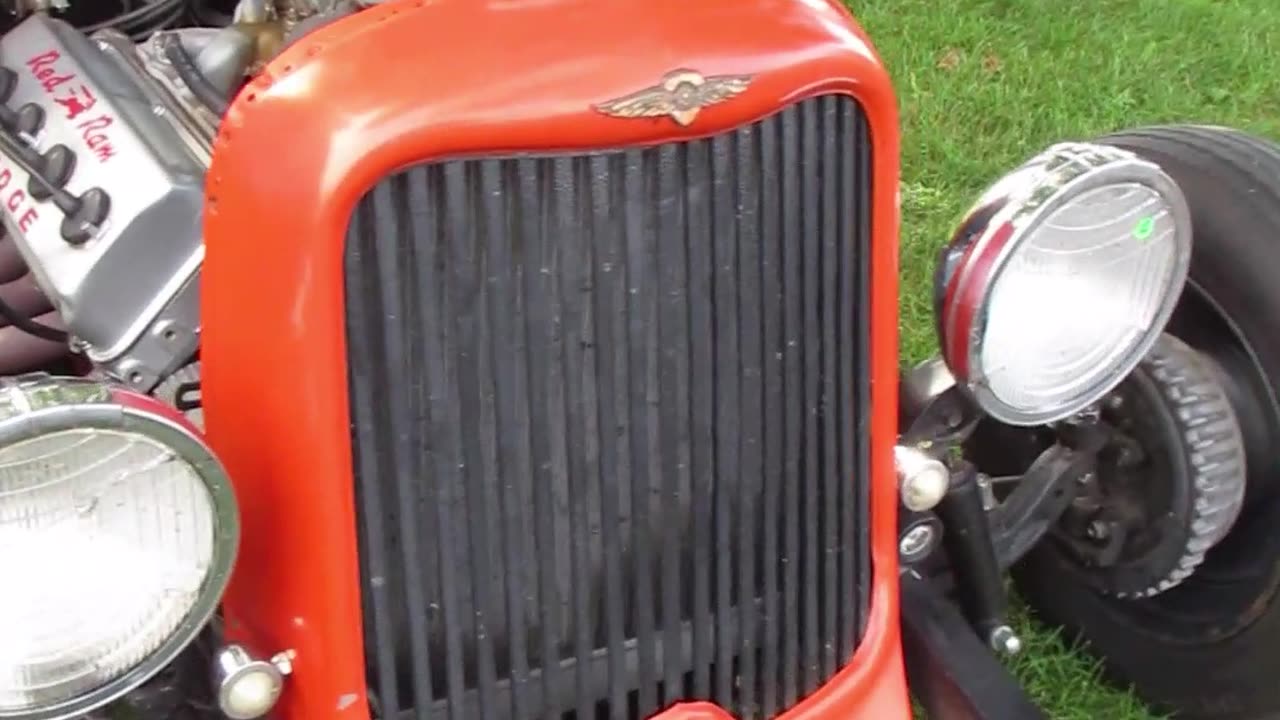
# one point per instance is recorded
(793, 293)
(639, 197)
(771, 386)
(475, 383)
(398, 299)
(727, 428)
(699, 194)
(579, 444)
(828, 157)
(811, 461)
(858, 437)
(368, 447)
(513, 453)
(851, 289)
(440, 439)
(672, 455)
(609, 422)
(530, 226)
(751, 442)
(615, 466)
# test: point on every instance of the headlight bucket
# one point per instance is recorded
(128, 529)
(1059, 280)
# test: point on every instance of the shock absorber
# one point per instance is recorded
(968, 544)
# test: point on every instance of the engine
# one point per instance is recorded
(105, 138)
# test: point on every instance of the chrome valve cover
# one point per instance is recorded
(127, 289)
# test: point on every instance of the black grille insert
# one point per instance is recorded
(609, 415)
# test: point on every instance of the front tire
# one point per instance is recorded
(1209, 647)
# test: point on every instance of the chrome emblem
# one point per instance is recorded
(681, 95)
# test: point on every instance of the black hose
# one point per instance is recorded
(27, 325)
(142, 21)
(186, 68)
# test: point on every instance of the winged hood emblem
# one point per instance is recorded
(681, 95)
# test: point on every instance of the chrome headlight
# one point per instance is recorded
(1060, 280)
(118, 529)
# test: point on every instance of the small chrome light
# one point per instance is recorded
(1060, 279)
(247, 687)
(922, 480)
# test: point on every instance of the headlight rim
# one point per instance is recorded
(122, 410)
(991, 232)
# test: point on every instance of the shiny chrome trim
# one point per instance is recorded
(59, 403)
(1024, 197)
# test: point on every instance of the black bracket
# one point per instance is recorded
(950, 671)
(187, 397)
(1042, 495)
(934, 414)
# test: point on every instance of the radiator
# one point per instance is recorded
(610, 418)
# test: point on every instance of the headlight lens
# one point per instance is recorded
(118, 529)
(1060, 280)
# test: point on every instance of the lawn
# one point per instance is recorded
(984, 84)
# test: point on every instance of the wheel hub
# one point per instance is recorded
(1169, 483)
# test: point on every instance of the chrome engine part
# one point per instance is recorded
(104, 144)
(123, 269)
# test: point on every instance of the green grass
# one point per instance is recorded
(984, 84)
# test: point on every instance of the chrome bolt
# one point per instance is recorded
(987, 491)
(1087, 416)
(1004, 640)
(917, 541)
(1098, 530)
(1115, 402)
(284, 661)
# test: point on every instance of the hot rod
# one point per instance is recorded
(515, 359)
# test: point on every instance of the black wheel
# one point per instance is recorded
(1199, 637)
